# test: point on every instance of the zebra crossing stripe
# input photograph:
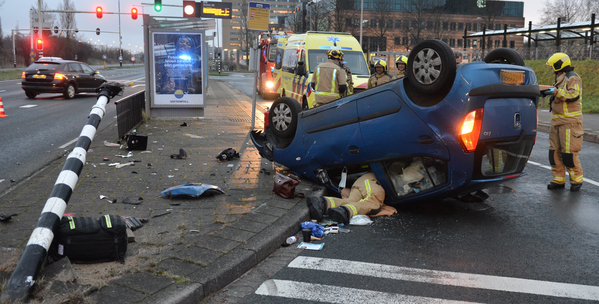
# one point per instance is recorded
(336, 294)
(544, 288)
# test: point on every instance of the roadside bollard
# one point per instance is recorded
(18, 287)
(2, 114)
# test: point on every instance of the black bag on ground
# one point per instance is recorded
(87, 240)
(137, 142)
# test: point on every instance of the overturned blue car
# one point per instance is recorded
(443, 131)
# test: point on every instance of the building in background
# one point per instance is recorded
(234, 40)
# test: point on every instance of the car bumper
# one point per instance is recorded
(43, 87)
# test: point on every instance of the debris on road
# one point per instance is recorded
(6, 218)
(182, 154)
(227, 154)
(191, 190)
(161, 214)
(109, 144)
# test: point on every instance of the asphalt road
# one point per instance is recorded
(37, 131)
(525, 244)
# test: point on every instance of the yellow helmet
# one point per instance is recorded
(335, 54)
(559, 61)
(381, 63)
(401, 59)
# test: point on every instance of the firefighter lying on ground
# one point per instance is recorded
(365, 197)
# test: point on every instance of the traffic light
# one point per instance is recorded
(97, 31)
(39, 44)
(134, 13)
(189, 8)
(99, 12)
(35, 29)
(157, 5)
(56, 30)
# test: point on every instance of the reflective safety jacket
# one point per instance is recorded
(378, 79)
(327, 79)
(350, 81)
(400, 74)
(567, 105)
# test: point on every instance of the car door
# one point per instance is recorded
(87, 77)
(94, 81)
(77, 75)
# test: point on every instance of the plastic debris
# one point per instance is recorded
(161, 214)
(105, 159)
(292, 239)
(133, 223)
(125, 165)
(147, 151)
(227, 154)
(102, 197)
(184, 124)
(109, 144)
(182, 154)
(317, 230)
(125, 156)
(6, 218)
(360, 220)
(191, 190)
(310, 246)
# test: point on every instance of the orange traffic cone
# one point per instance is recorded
(2, 109)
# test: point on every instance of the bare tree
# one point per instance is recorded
(382, 12)
(67, 20)
(319, 17)
(340, 12)
(567, 10)
(424, 19)
(294, 22)
(490, 10)
(247, 36)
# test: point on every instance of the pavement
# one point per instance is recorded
(182, 257)
(203, 244)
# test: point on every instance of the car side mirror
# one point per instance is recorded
(301, 68)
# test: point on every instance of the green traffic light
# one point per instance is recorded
(157, 8)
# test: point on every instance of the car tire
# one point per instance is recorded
(283, 117)
(69, 91)
(431, 66)
(30, 94)
(505, 56)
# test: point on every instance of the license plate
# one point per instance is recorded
(511, 77)
(39, 76)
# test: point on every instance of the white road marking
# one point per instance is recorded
(28, 106)
(2, 180)
(335, 294)
(544, 288)
(586, 180)
(2, 91)
(69, 143)
(139, 85)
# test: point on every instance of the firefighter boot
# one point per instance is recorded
(575, 187)
(339, 215)
(318, 207)
(553, 186)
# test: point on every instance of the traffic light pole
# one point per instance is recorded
(39, 19)
(120, 38)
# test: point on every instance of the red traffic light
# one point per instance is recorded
(99, 12)
(39, 44)
(134, 13)
(189, 8)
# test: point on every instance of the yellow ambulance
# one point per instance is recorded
(297, 60)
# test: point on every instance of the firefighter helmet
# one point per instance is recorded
(559, 61)
(381, 63)
(335, 54)
(401, 59)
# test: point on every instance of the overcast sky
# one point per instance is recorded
(14, 11)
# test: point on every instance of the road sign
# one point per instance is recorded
(258, 15)
(133, 59)
(120, 58)
(104, 57)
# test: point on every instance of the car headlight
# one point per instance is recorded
(270, 84)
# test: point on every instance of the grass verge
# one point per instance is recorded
(10, 74)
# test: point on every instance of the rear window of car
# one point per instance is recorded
(50, 66)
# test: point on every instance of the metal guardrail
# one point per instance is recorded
(129, 112)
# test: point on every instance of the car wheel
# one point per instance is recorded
(283, 117)
(431, 66)
(69, 91)
(30, 94)
(504, 55)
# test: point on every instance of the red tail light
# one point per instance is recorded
(470, 130)
(23, 75)
(59, 76)
(266, 114)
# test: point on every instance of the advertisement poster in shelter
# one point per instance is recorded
(177, 69)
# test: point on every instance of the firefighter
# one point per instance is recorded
(365, 197)
(350, 80)
(401, 63)
(565, 134)
(329, 81)
(380, 75)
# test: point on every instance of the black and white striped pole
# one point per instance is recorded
(22, 279)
